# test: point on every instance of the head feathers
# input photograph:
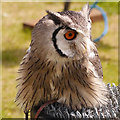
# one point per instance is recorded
(58, 18)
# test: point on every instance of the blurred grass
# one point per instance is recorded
(16, 40)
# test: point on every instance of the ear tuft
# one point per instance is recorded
(54, 16)
(52, 13)
(58, 18)
(86, 10)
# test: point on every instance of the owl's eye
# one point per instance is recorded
(70, 35)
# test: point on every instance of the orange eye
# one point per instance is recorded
(70, 35)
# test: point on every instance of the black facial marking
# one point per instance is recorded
(55, 42)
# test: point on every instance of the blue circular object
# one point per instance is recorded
(105, 21)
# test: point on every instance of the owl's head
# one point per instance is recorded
(63, 35)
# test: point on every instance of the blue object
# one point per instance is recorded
(105, 21)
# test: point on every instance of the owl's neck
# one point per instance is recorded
(78, 85)
(75, 71)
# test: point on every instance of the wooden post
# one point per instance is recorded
(66, 5)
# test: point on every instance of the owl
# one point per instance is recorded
(62, 63)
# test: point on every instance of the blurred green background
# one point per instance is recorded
(16, 40)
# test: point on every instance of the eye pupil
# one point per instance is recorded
(70, 35)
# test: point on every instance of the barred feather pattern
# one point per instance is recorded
(75, 83)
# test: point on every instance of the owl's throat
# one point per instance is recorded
(80, 86)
